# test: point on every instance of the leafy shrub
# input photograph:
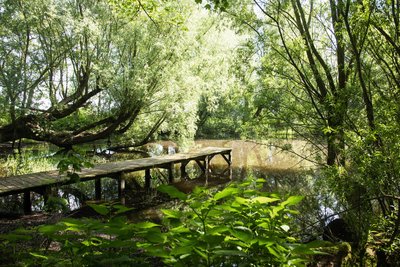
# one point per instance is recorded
(238, 226)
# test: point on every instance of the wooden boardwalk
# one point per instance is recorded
(41, 182)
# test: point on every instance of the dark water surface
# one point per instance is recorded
(283, 170)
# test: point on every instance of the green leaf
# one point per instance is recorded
(51, 229)
(264, 225)
(100, 209)
(174, 214)
(180, 229)
(223, 252)
(172, 192)
(121, 209)
(242, 233)
(74, 177)
(87, 164)
(229, 191)
(182, 250)
(218, 230)
(274, 252)
(201, 253)
(38, 256)
(285, 227)
(263, 200)
(156, 237)
(292, 200)
(241, 201)
(12, 237)
(146, 225)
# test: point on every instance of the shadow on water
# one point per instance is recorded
(283, 171)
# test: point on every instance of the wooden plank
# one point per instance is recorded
(21, 183)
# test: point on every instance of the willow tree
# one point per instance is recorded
(309, 52)
(77, 71)
(333, 68)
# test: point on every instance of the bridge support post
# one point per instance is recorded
(27, 202)
(228, 158)
(207, 160)
(184, 175)
(121, 188)
(97, 188)
(170, 173)
(147, 179)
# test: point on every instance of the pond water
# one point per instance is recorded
(281, 162)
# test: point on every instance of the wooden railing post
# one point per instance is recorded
(97, 189)
(121, 188)
(170, 173)
(147, 179)
(206, 168)
(27, 202)
(184, 175)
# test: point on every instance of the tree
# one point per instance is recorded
(74, 72)
(331, 70)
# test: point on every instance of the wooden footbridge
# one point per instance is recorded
(42, 182)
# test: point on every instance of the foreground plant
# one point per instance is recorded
(238, 226)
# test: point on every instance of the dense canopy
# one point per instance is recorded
(130, 71)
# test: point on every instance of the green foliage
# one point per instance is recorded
(56, 204)
(240, 225)
(25, 163)
(71, 162)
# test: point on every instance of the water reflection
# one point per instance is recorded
(282, 169)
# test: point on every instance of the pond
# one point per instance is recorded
(281, 162)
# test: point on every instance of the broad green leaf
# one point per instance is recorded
(51, 229)
(241, 201)
(101, 209)
(275, 211)
(292, 200)
(229, 191)
(263, 200)
(172, 192)
(264, 225)
(121, 209)
(180, 229)
(218, 230)
(267, 241)
(182, 250)
(146, 225)
(156, 237)
(175, 214)
(242, 233)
